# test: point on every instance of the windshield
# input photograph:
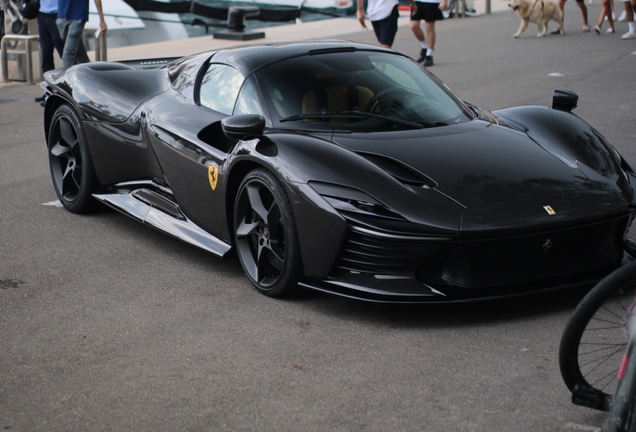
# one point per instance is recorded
(356, 91)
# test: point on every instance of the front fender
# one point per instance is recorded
(320, 228)
(573, 141)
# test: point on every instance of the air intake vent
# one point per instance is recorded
(401, 171)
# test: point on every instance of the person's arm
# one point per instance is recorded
(102, 23)
(360, 13)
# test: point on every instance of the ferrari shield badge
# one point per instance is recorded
(213, 175)
(549, 209)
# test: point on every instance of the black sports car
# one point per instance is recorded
(345, 168)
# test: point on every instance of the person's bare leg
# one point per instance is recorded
(583, 8)
(430, 34)
(629, 13)
(610, 12)
(606, 11)
(562, 9)
(417, 30)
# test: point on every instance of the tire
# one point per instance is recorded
(595, 339)
(70, 162)
(265, 234)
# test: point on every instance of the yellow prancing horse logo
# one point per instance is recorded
(213, 175)
(549, 209)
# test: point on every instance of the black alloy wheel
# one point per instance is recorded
(71, 166)
(265, 234)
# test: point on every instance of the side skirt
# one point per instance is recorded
(151, 208)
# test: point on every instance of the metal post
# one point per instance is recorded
(29, 62)
(28, 52)
(5, 62)
(101, 45)
(487, 6)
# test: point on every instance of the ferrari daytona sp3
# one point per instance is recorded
(345, 168)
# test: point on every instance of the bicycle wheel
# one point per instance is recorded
(595, 339)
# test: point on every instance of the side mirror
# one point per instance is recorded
(239, 126)
(564, 100)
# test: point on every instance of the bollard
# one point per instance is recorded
(236, 24)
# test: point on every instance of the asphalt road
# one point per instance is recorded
(108, 325)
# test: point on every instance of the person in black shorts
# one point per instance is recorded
(383, 15)
(429, 11)
(581, 5)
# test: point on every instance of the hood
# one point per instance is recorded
(502, 177)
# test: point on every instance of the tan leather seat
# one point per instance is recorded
(336, 98)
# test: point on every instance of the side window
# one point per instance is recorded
(219, 88)
(248, 102)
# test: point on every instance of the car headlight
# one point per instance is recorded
(350, 200)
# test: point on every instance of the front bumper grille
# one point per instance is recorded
(577, 253)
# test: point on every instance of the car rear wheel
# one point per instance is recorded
(71, 166)
(265, 234)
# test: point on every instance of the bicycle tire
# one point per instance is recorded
(595, 339)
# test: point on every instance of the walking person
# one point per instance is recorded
(581, 5)
(383, 15)
(606, 12)
(71, 19)
(429, 11)
(49, 35)
(629, 14)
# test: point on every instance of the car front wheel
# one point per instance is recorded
(265, 234)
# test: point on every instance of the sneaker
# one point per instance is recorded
(555, 32)
(39, 99)
(597, 29)
(586, 29)
(422, 56)
(629, 35)
(622, 17)
(609, 31)
(428, 61)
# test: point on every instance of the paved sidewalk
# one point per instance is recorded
(108, 325)
(337, 27)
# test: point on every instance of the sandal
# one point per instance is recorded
(597, 29)
(586, 29)
(609, 31)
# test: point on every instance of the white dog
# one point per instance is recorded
(538, 12)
